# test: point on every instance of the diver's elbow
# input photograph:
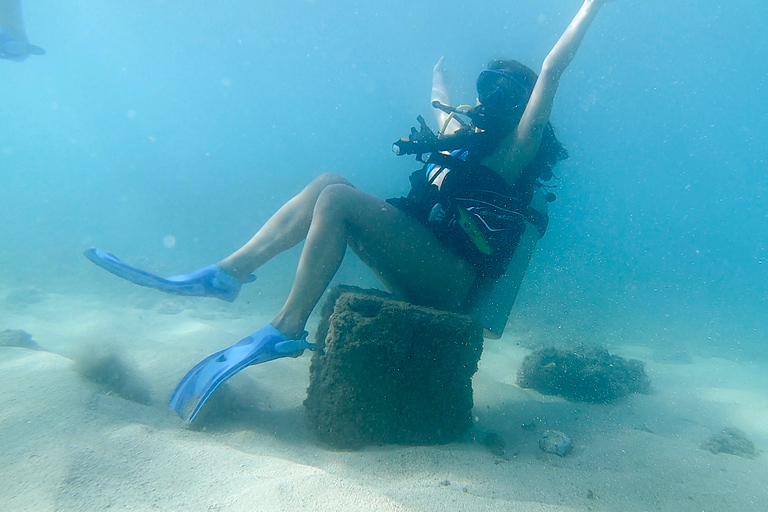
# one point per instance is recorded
(552, 70)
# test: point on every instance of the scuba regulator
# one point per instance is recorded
(480, 134)
(418, 143)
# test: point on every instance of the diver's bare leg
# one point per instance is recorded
(286, 228)
(406, 255)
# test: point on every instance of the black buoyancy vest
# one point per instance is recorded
(458, 179)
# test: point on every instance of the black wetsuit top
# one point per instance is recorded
(471, 209)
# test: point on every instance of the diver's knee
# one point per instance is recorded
(334, 197)
(327, 179)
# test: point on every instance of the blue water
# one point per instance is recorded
(151, 119)
(168, 131)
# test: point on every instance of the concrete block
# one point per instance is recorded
(390, 372)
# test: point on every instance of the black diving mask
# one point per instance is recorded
(501, 92)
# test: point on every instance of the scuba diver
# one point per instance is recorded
(469, 210)
(14, 44)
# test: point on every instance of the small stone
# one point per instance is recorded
(554, 441)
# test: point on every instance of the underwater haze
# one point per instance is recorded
(167, 132)
(153, 120)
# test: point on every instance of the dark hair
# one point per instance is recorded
(551, 151)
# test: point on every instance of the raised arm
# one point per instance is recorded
(440, 93)
(522, 145)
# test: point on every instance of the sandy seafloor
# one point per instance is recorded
(66, 444)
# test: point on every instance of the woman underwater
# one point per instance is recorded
(458, 227)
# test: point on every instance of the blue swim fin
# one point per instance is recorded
(201, 381)
(210, 281)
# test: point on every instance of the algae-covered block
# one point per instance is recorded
(583, 374)
(391, 372)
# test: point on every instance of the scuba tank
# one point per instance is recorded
(494, 299)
